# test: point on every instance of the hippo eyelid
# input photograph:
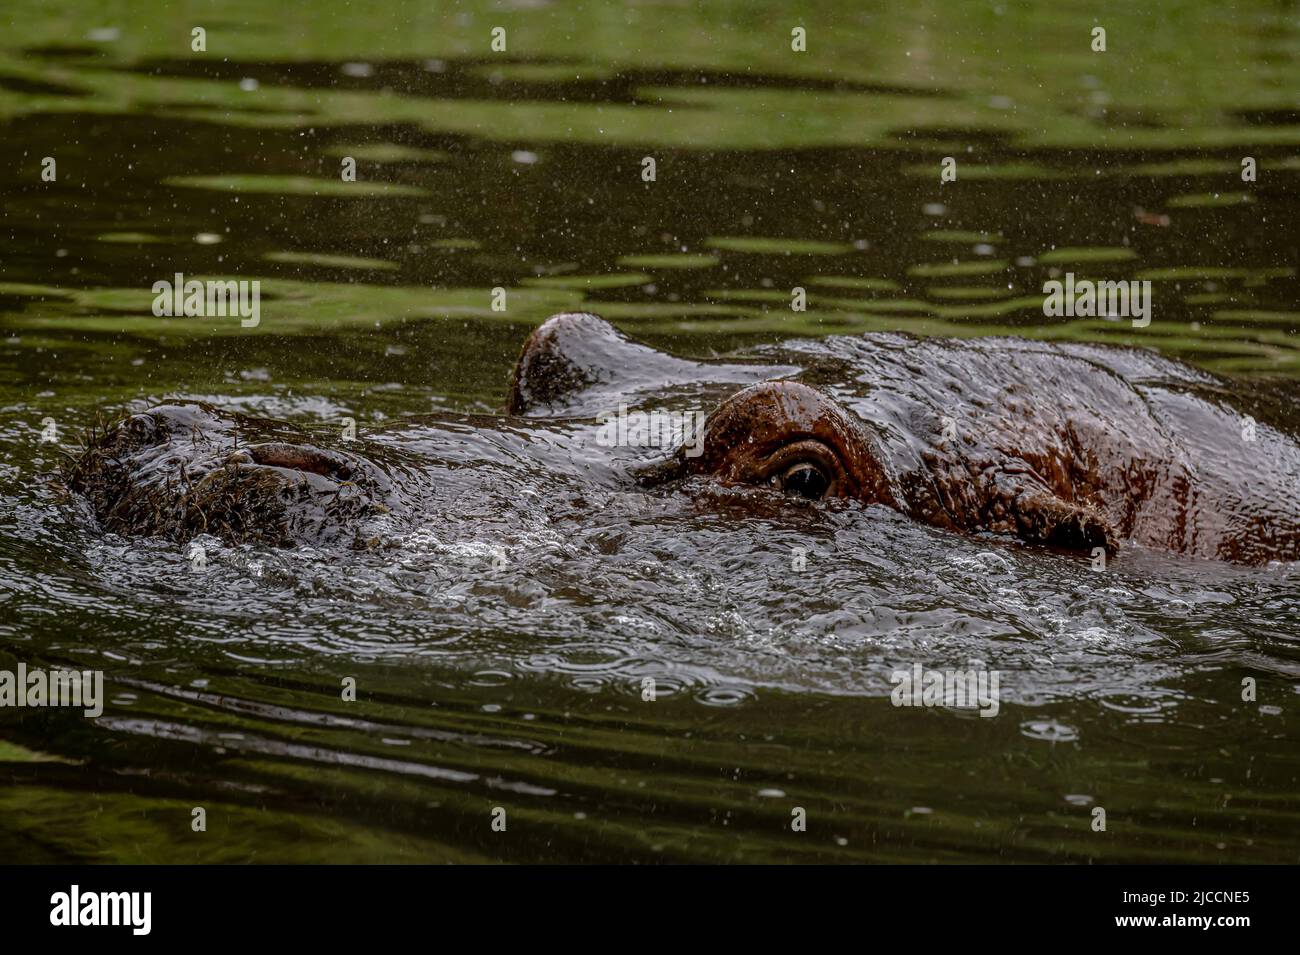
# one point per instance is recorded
(765, 428)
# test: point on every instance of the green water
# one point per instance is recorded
(520, 688)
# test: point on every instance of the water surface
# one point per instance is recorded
(500, 651)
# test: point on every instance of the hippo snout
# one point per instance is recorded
(184, 469)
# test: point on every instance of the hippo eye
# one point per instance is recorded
(806, 480)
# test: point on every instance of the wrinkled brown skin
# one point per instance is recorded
(1070, 447)
(1053, 445)
(973, 491)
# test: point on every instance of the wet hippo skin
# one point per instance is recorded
(1073, 447)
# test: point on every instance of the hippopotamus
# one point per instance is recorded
(1077, 448)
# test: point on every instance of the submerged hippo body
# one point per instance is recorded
(1075, 447)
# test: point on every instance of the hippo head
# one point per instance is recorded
(188, 468)
(942, 431)
(775, 433)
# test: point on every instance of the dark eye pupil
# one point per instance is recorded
(806, 480)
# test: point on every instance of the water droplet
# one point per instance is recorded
(1049, 731)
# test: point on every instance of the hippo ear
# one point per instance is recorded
(1043, 518)
(577, 364)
